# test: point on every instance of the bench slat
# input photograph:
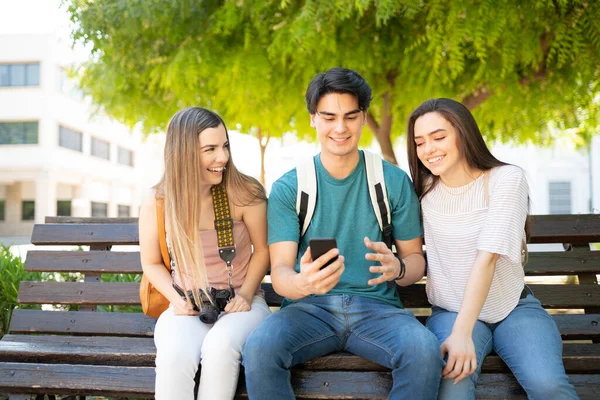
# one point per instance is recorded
(91, 220)
(571, 326)
(108, 262)
(139, 382)
(120, 293)
(93, 350)
(102, 350)
(83, 293)
(77, 379)
(82, 323)
(544, 229)
(540, 263)
(551, 296)
(85, 234)
(583, 229)
(563, 263)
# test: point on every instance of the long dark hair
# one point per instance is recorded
(470, 143)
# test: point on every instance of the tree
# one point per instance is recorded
(522, 68)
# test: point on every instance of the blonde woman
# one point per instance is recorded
(197, 157)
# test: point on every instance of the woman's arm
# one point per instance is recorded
(151, 258)
(462, 360)
(255, 218)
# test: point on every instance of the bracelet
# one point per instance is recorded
(402, 268)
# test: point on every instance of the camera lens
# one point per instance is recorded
(209, 315)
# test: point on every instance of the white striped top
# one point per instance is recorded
(457, 224)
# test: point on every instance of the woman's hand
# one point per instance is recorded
(462, 360)
(182, 307)
(238, 304)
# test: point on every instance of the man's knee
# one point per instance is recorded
(263, 346)
(423, 348)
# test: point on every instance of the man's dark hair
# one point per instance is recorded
(338, 80)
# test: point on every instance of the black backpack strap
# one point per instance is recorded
(385, 220)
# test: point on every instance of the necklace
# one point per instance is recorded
(464, 188)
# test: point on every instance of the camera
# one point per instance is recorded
(209, 311)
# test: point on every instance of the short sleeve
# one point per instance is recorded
(406, 211)
(504, 226)
(281, 210)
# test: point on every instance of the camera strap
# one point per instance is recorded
(224, 228)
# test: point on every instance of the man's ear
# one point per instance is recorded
(312, 120)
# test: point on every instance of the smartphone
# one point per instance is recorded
(318, 247)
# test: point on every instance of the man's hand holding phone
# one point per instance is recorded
(321, 267)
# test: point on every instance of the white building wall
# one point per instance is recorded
(45, 172)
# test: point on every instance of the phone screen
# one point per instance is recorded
(318, 247)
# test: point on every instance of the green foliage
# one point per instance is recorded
(120, 278)
(539, 61)
(12, 272)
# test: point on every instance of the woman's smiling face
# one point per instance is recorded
(437, 145)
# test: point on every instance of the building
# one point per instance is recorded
(57, 157)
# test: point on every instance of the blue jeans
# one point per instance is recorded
(318, 325)
(527, 340)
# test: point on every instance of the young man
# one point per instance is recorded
(346, 306)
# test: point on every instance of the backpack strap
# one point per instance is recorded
(306, 198)
(162, 235)
(378, 193)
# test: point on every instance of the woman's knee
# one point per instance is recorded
(548, 387)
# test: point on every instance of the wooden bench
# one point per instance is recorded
(88, 352)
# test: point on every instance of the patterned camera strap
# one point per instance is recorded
(224, 228)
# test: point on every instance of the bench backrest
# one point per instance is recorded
(580, 295)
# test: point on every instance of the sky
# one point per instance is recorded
(32, 16)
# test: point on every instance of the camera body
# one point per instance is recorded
(209, 311)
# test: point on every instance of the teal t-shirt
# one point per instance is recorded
(344, 211)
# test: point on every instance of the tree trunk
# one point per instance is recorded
(383, 132)
(263, 142)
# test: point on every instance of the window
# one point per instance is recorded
(19, 74)
(18, 132)
(2, 205)
(559, 196)
(125, 156)
(63, 208)
(100, 148)
(70, 139)
(99, 209)
(124, 211)
(28, 210)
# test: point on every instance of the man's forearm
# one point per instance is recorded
(285, 282)
(415, 269)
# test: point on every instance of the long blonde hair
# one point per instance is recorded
(180, 186)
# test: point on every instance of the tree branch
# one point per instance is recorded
(372, 123)
(477, 97)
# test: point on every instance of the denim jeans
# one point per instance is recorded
(527, 340)
(318, 325)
